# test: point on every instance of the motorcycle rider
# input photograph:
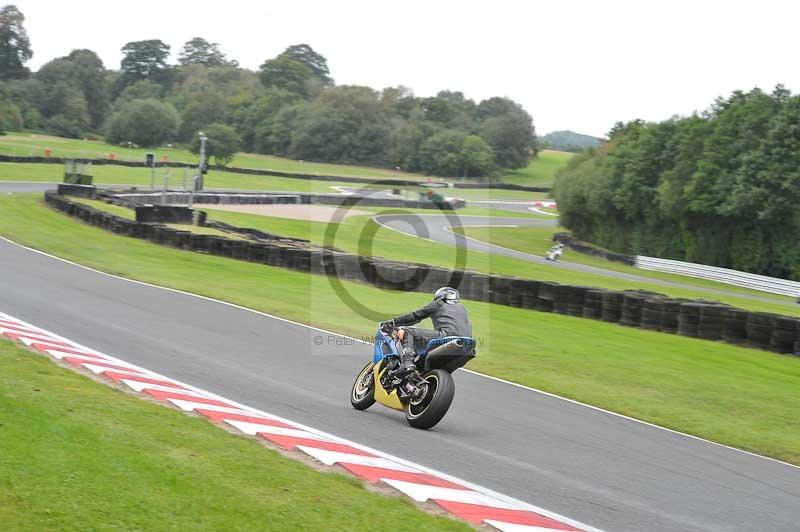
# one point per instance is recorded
(449, 318)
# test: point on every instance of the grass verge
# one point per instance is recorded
(737, 396)
(23, 144)
(78, 455)
(541, 170)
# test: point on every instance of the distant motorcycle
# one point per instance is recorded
(555, 252)
(424, 395)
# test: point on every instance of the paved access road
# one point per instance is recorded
(604, 470)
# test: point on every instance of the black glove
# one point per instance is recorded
(387, 326)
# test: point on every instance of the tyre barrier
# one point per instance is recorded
(612, 306)
(689, 319)
(785, 334)
(652, 314)
(593, 304)
(647, 310)
(735, 331)
(631, 314)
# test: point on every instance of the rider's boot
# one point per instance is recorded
(407, 365)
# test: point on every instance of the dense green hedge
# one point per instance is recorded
(719, 188)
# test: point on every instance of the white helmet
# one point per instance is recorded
(449, 295)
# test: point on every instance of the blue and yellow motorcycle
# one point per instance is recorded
(424, 395)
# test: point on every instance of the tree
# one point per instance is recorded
(303, 53)
(76, 89)
(223, 143)
(10, 115)
(286, 74)
(144, 122)
(199, 51)
(144, 60)
(15, 47)
(476, 157)
(203, 109)
(508, 129)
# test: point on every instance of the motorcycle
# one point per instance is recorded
(555, 252)
(424, 395)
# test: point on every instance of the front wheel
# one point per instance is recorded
(427, 410)
(363, 394)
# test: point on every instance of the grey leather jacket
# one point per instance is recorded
(449, 319)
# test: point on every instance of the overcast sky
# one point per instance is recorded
(573, 64)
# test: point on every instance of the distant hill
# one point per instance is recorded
(569, 141)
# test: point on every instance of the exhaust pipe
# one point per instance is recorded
(448, 348)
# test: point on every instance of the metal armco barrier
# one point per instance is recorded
(773, 285)
(632, 308)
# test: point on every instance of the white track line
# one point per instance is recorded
(311, 327)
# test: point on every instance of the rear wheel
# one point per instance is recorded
(427, 410)
(363, 394)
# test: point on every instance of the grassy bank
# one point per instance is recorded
(141, 177)
(25, 144)
(78, 455)
(541, 171)
(741, 397)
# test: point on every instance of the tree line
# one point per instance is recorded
(721, 187)
(290, 107)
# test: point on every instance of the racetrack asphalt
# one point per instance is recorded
(605, 470)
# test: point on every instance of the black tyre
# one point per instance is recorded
(362, 396)
(428, 410)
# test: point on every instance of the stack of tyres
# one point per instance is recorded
(480, 287)
(431, 278)
(515, 295)
(632, 309)
(689, 319)
(712, 322)
(612, 306)
(670, 313)
(797, 343)
(561, 294)
(239, 249)
(784, 335)
(545, 295)
(593, 304)
(501, 288)
(317, 264)
(529, 292)
(759, 329)
(735, 330)
(575, 300)
(652, 313)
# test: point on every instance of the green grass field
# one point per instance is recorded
(78, 455)
(541, 171)
(26, 144)
(737, 396)
(141, 177)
